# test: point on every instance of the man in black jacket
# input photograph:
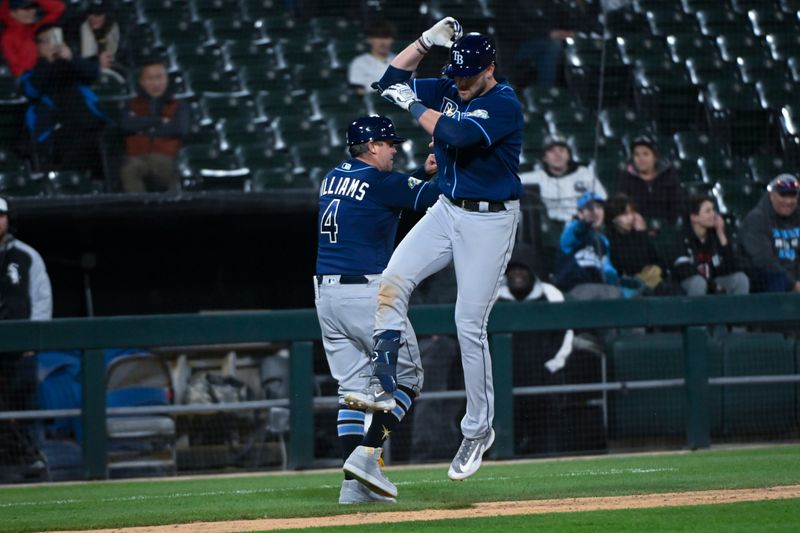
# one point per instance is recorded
(704, 261)
(24, 295)
(770, 238)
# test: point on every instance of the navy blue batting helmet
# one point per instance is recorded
(372, 128)
(470, 55)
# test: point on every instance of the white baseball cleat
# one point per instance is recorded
(468, 458)
(364, 464)
(373, 398)
(354, 492)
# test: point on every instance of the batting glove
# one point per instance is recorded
(401, 95)
(443, 33)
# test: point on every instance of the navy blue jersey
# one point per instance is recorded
(359, 210)
(484, 171)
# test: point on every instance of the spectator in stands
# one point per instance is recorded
(770, 238)
(63, 120)
(704, 260)
(155, 124)
(652, 183)
(584, 267)
(99, 34)
(561, 181)
(632, 247)
(369, 67)
(20, 25)
(531, 38)
(25, 294)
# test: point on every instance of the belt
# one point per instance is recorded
(332, 279)
(482, 206)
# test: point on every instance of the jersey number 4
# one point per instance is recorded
(328, 224)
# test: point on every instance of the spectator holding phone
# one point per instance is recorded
(19, 18)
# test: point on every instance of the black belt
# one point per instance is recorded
(474, 205)
(348, 280)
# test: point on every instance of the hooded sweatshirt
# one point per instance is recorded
(25, 291)
(561, 193)
(770, 242)
(661, 197)
(18, 40)
(708, 259)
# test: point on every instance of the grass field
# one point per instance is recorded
(172, 501)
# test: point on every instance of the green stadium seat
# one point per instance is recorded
(583, 60)
(767, 20)
(539, 99)
(740, 198)
(744, 6)
(790, 7)
(719, 19)
(765, 167)
(753, 69)
(704, 70)
(642, 50)
(667, 18)
(70, 182)
(783, 44)
(667, 98)
(624, 21)
(691, 145)
(209, 168)
(721, 169)
(734, 44)
(620, 122)
(766, 410)
(19, 183)
(793, 64)
(790, 134)
(683, 47)
(653, 413)
(774, 94)
(693, 6)
(687, 169)
(735, 116)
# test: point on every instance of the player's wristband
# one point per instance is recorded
(417, 109)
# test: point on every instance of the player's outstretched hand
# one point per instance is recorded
(443, 33)
(401, 95)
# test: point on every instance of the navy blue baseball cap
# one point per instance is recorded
(372, 128)
(21, 4)
(784, 184)
(470, 55)
(589, 198)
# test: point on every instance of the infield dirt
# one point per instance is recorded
(566, 505)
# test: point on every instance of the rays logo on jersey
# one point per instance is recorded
(478, 113)
(450, 109)
(413, 182)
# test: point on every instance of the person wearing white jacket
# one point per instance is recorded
(561, 181)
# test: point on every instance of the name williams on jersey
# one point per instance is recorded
(344, 186)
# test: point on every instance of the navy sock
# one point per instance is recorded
(350, 429)
(383, 423)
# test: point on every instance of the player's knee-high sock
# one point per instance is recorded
(383, 423)
(350, 429)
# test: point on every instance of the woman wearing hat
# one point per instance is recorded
(652, 183)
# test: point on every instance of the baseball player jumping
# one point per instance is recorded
(359, 208)
(477, 126)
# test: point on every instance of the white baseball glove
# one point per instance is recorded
(443, 33)
(401, 95)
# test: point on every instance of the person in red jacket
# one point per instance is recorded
(18, 41)
(154, 123)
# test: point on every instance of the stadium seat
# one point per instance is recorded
(734, 44)
(208, 168)
(642, 50)
(790, 7)
(619, 122)
(624, 22)
(716, 20)
(693, 144)
(19, 183)
(735, 116)
(768, 20)
(703, 70)
(583, 60)
(667, 18)
(667, 97)
(660, 412)
(767, 409)
(70, 182)
(141, 444)
(687, 169)
(790, 134)
(774, 94)
(722, 169)
(683, 47)
(765, 167)
(539, 99)
(693, 6)
(783, 44)
(753, 69)
(793, 64)
(744, 6)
